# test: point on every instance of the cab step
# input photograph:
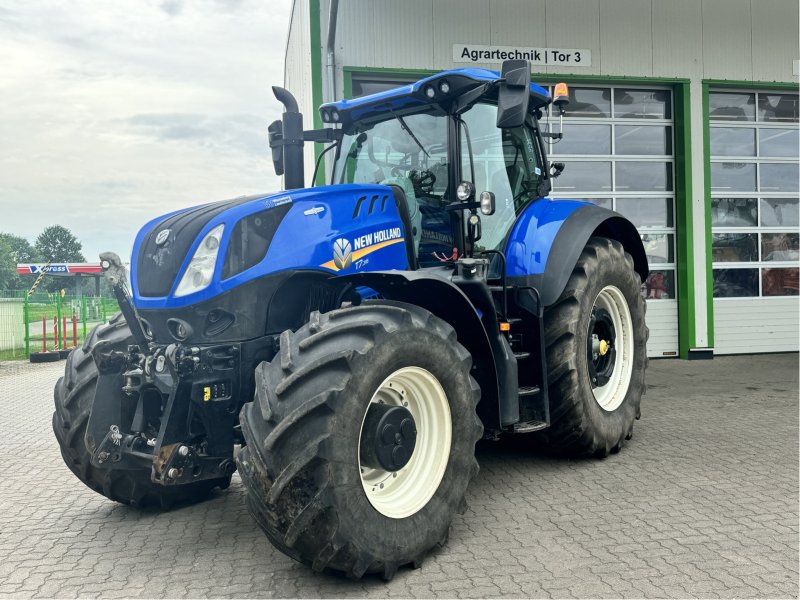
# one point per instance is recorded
(522, 355)
(530, 390)
(529, 426)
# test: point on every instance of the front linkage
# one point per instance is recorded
(177, 407)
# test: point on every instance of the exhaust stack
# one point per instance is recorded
(291, 140)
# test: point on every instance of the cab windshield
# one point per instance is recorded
(412, 147)
(411, 152)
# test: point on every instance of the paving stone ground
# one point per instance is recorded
(703, 502)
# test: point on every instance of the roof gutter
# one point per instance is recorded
(330, 48)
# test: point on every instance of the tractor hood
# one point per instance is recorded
(197, 253)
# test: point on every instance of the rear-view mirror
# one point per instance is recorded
(275, 131)
(513, 94)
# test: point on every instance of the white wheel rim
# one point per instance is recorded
(402, 493)
(611, 395)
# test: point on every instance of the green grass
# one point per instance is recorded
(18, 354)
(36, 341)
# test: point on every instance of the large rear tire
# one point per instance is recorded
(309, 485)
(74, 396)
(596, 338)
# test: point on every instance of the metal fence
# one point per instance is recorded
(48, 321)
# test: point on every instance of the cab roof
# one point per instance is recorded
(416, 94)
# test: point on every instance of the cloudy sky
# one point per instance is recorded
(112, 113)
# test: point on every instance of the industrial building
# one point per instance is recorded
(683, 117)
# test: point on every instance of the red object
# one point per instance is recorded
(64, 331)
(74, 330)
(44, 333)
(55, 332)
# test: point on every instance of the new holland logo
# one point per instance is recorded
(342, 254)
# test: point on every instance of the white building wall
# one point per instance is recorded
(774, 36)
(297, 71)
(712, 39)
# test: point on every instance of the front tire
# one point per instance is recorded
(310, 484)
(596, 338)
(74, 396)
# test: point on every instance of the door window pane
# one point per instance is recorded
(644, 176)
(778, 107)
(735, 283)
(641, 104)
(642, 139)
(732, 106)
(734, 212)
(779, 142)
(734, 247)
(580, 176)
(588, 102)
(780, 212)
(779, 246)
(658, 247)
(660, 285)
(733, 177)
(647, 212)
(732, 141)
(779, 282)
(584, 139)
(776, 177)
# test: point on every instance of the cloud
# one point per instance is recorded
(226, 133)
(114, 113)
(172, 7)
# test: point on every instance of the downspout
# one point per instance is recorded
(330, 48)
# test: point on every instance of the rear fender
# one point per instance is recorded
(449, 303)
(547, 239)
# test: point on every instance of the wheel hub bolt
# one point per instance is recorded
(173, 473)
(183, 451)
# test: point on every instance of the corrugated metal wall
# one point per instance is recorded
(297, 71)
(711, 39)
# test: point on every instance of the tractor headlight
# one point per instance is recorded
(430, 92)
(465, 191)
(444, 87)
(201, 268)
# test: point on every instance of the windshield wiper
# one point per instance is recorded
(411, 133)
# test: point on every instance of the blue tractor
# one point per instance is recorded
(345, 346)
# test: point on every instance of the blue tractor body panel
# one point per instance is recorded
(398, 99)
(346, 229)
(532, 236)
(362, 220)
(395, 97)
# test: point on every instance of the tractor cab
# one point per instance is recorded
(462, 151)
(438, 144)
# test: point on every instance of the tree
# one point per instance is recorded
(21, 251)
(8, 265)
(58, 244)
